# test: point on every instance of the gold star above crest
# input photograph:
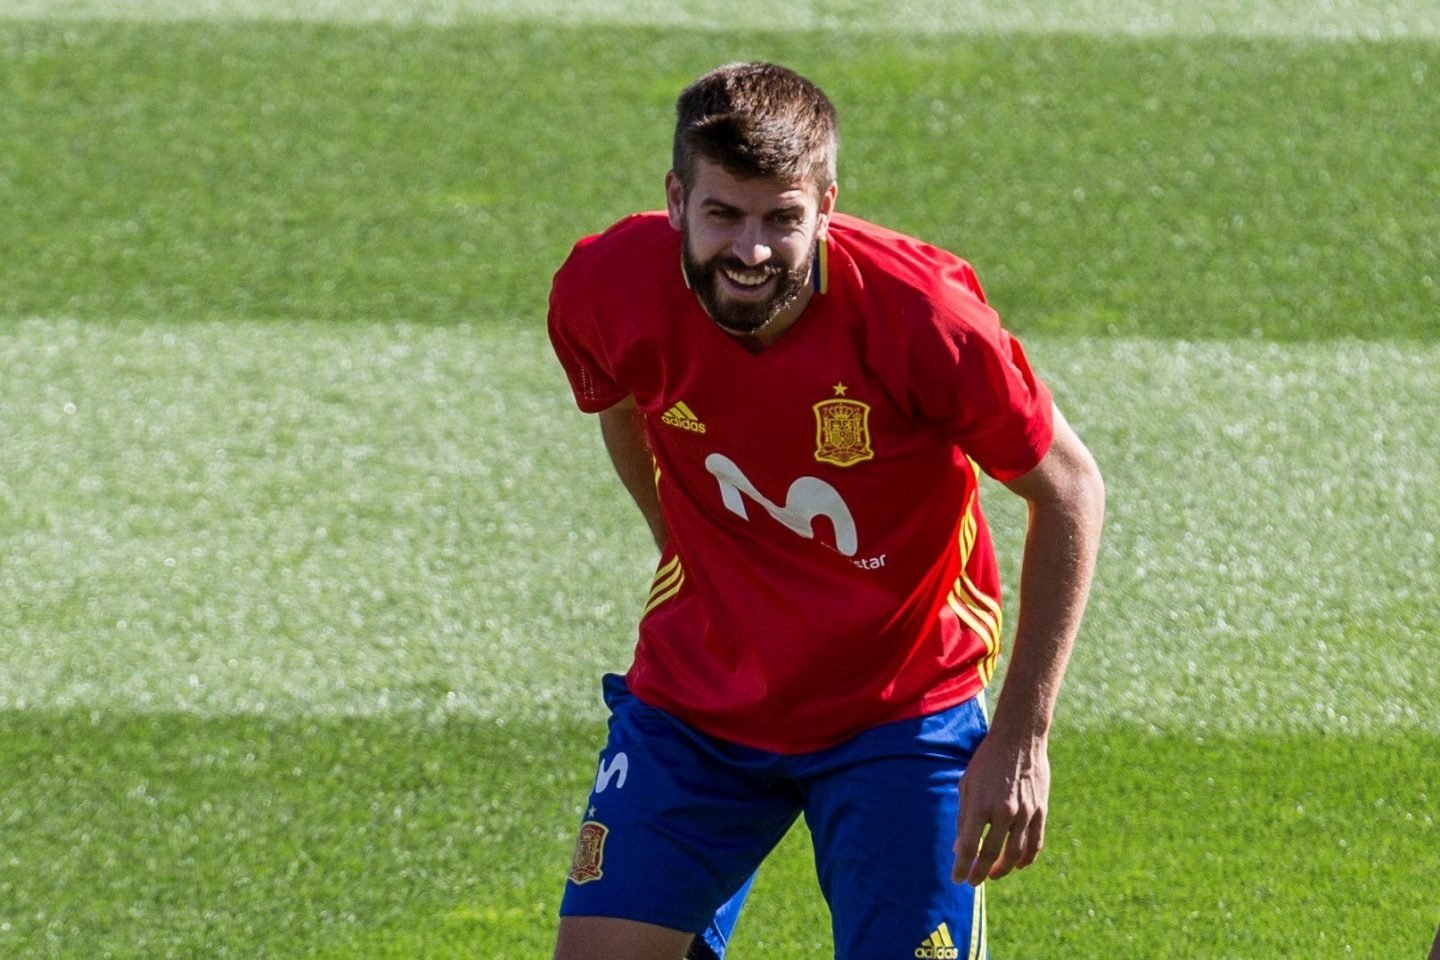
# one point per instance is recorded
(840, 389)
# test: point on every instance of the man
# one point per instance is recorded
(799, 402)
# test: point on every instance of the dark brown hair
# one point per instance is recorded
(756, 120)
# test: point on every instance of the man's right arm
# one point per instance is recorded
(623, 429)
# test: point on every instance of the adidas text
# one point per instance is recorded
(680, 416)
(938, 946)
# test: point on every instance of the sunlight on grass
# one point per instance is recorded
(1330, 19)
(253, 518)
(356, 520)
(309, 567)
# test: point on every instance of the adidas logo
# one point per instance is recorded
(683, 417)
(938, 946)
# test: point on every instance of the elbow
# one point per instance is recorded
(1093, 483)
(1087, 491)
(1078, 490)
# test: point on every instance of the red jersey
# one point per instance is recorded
(828, 567)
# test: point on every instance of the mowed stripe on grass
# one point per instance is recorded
(179, 835)
(378, 519)
(1335, 19)
(1206, 187)
(305, 607)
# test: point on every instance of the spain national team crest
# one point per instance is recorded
(842, 430)
(589, 852)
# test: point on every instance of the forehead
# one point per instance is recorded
(712, 183)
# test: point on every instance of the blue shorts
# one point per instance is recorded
(678, 822)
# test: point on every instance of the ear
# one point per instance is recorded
(827, 207)
(675, 199)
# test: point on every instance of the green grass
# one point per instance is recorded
(386, 838)
(177, 835)
(1338, 19)
(301, 517)
(237, 652)
(309, 568)
(1188, 847)
(1202, 187)
(321, 518)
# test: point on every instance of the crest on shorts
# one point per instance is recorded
(589, 852)
(842, 430)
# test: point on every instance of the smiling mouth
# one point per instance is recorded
(748, 280)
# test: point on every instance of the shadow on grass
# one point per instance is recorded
(179, 835)
(1180, 847)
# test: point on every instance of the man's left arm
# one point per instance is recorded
(1005, 792)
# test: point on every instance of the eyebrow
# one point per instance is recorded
(712, 202)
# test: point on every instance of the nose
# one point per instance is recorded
(751, 246)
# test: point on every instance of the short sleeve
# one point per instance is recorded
(972, 376)
(1010, 426)
(575, 337)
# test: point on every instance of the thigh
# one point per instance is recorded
(882, 810)
(676, 823)
(610, 938)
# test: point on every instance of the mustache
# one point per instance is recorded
(771, 267)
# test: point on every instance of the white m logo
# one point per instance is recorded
(807, 498)
(620, 766)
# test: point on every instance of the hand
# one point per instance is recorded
(1003, 800)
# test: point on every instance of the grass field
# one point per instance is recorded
(309, 568)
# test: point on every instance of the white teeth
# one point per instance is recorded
(747, 280)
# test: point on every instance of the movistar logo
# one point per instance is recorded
(683, 417)
(938, 946)
(807, 498)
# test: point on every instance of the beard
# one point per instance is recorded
(743, 316)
